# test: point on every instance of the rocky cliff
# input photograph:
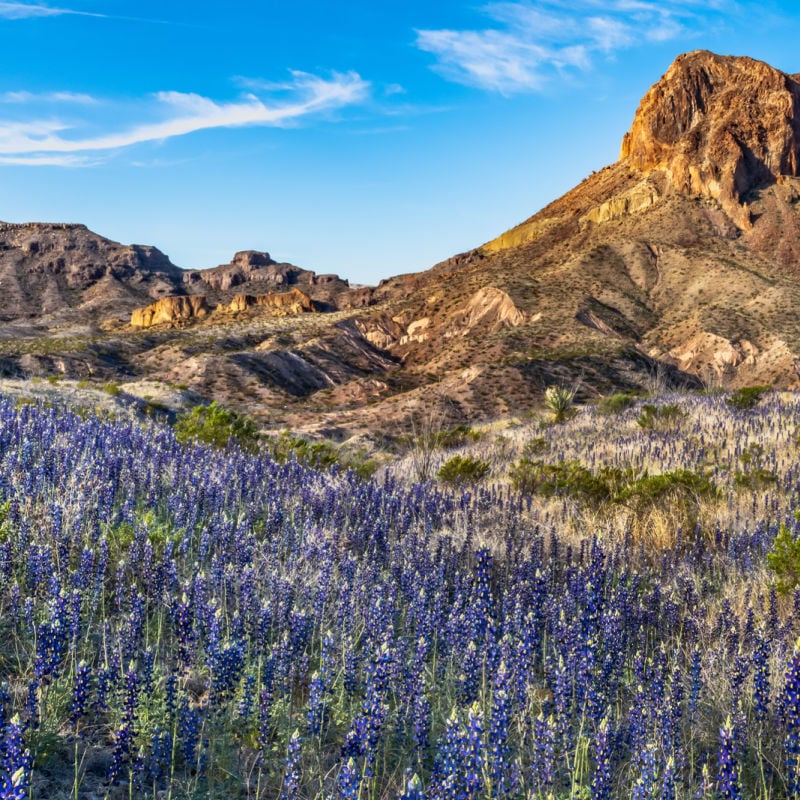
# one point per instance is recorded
(170, 311)
(718, 126)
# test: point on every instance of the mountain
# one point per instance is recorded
(683, 258)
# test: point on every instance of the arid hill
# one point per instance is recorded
(684, 253)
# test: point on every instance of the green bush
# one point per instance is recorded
(215, 425)
(359, 461)
(318, 455)
(747, 398)
(536, 447)
(462, 470)
(460, 435)
(660, 417)
(615, 403)
(569, 478)
(613, 485)
(784, 560)
(113, 389)
(756, 478)
(524, 476)
(675, 486)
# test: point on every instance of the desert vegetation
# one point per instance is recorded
(190, 619)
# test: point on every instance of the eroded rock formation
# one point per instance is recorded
(293, 302)
(170, 310)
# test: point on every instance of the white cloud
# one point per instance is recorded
(48, 161)
(532, 40)
(177, 114)
(33, 10)
(47, 97)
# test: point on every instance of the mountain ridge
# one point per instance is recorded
(685, 253)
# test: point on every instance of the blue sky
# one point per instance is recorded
(364, 138)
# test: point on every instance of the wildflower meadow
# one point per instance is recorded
(179, 621)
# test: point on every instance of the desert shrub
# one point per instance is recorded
(458, 436)
(524, 476)
(560, 402)
(568, 478)
(660, 417)
(113, 389)
(463, 469)
(756, 478)
(217, 426)
(784, 560)
(318, 455)
(676, 485)
(747, 398)
(681, 489)
(359, 461)
(615, 403)
(536, 447)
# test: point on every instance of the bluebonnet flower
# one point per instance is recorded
(499, 749)
(80, 693)
(761, 689)
(291, 780)
(544, 755)
(790, 712)
(413, 789)
(124, 735)
(645, 780)
(349, 781)
(158, 763)
(15, 766)
(601, 779)
(728, 767)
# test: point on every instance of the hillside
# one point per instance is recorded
(186, 622)
(682, 257)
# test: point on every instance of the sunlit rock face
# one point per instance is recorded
(718, 126)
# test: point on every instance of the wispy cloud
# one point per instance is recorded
(171, 114)
(529, 42)
(34, 10)
(48, 97)
(18, 11)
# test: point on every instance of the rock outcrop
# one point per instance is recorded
(293, 302)
(641, 197)
(489, 309)
(718, 126)
(171, 311)
(250, 266)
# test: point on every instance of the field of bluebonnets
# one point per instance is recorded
(178, 621)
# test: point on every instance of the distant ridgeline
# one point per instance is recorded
(59, 226)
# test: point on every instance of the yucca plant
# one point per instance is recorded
(560, 401)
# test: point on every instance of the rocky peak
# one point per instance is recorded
(718, 126)
(251, 259)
